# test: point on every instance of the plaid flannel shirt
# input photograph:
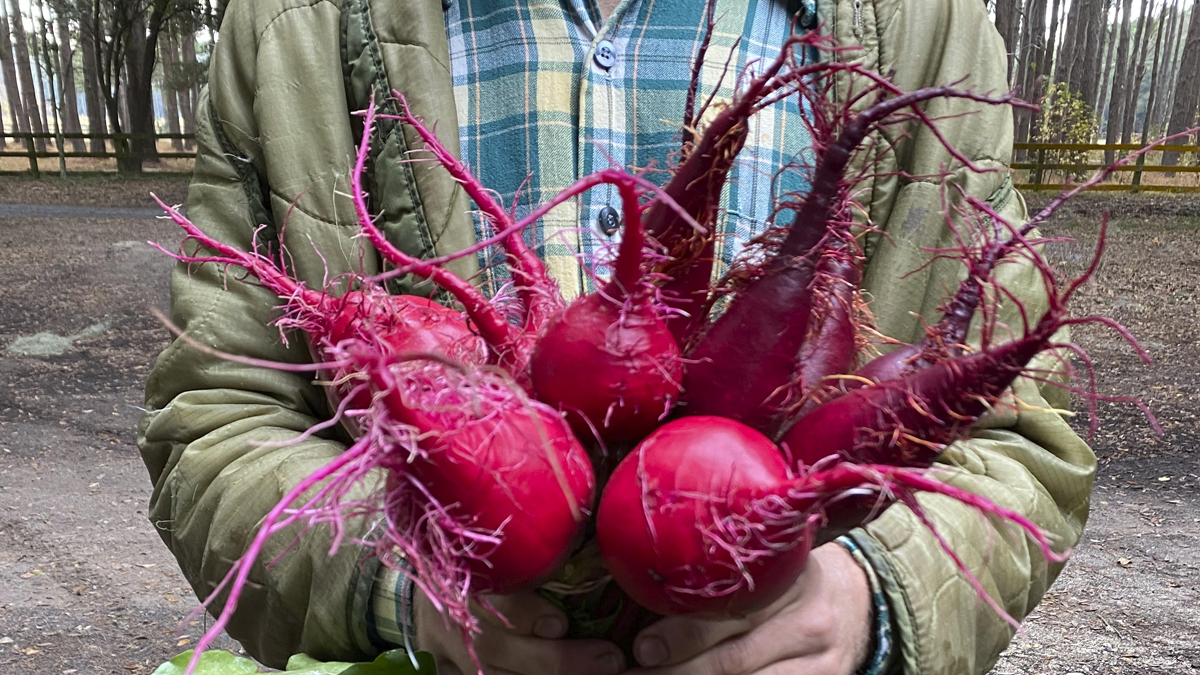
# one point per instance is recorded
(539, 108)
(541, 103)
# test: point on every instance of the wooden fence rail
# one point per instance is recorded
(1039, 165)
(56, 147)
(1036, 162)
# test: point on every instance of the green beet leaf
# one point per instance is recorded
(211, 663)
(395, 662)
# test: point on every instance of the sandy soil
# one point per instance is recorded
(86, 586)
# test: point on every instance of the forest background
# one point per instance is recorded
(1106, 71)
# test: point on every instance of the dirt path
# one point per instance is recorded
(86, 586)
(85, 583)
(71, 211)
(1129, 600)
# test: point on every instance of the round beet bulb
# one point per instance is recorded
(609, 361)
(613, 371)
(682, 525)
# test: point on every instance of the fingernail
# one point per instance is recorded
(650, 651)
(609, 663)
(549, 627)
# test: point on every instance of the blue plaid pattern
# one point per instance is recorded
(534, 103)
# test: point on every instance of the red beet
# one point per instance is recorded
(496, 463)
(833, 336)
(697, 182)
(704, 517)
(661, 506)
(407, 325)
(908, 420)
(745, 362)
(610, 361)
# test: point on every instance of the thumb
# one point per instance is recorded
(525, 613)
(676, 639)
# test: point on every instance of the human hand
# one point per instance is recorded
(821, 626)
(533, 645)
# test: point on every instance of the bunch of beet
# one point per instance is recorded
(738, 420)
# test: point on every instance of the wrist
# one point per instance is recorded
(392, 615)
(876, 646)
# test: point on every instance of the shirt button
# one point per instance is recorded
(606, 54)
(608, 220)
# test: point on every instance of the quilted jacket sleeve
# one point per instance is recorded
(212, 432)
(1029, 461)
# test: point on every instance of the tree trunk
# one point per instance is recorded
(1033, 51)
(1171, 64)
(1101, 104)
(66, 70)
(139, 96)
(1137, 71)
(1017, 75)
(1150, 100)
(25, 73)
(1049, 63)
(1164, 61)
(126, 164)
(37, 53)
(188, 45)
(1116, 101)
(1164, 66)
(1066, 51)
(170, 90)
(141, 56)
(16, 109)
(1088, 72)
(1008, 18)
(101, 28)
(1078, 63)
(1045, 68)
(53, 83)
(1101, 38)
(91, 90)
(123, 103)
(1187, 85)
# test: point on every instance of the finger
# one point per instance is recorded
(733, 657)
(526, 613)
(537, 656)
(809, 665)
(747, 652)
(676, 639)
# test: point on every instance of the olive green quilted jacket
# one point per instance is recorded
(276, 137)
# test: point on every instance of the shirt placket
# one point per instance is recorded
(603, 130)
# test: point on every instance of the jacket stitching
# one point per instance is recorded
(423, 48)
(857, 29)
(285, 10)
(382, 84)
(251, 180)
(294, 203)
